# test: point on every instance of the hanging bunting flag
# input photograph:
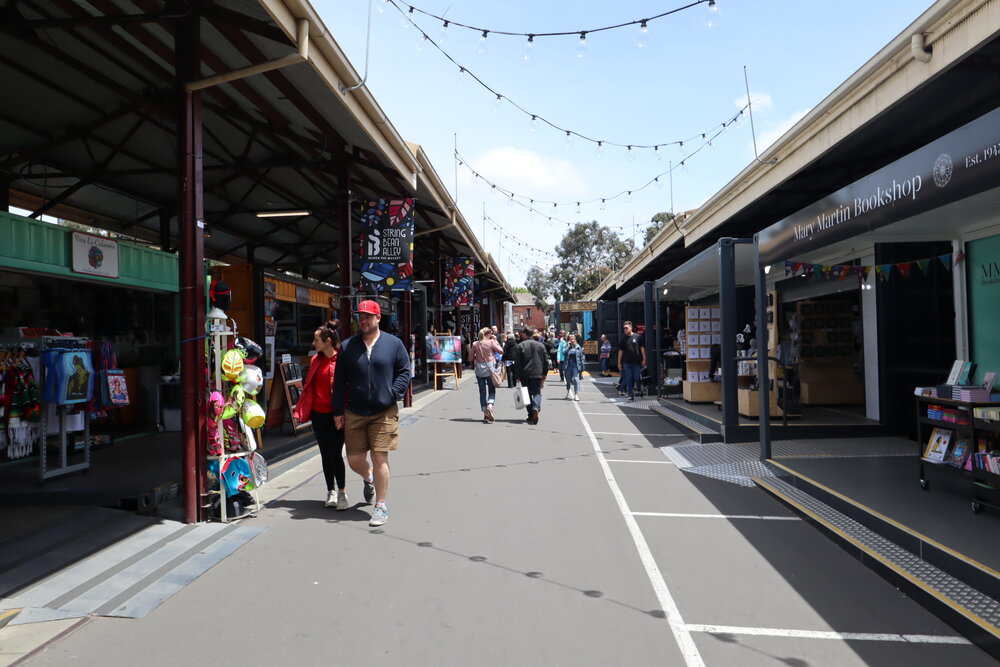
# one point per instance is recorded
(959, 257)
(817, 271)
(884, 271)
(796, 267)
(827, 270)
(863, 272)
(788, 268)
(904, 268)
(387, 244)
(923, 265)
(846, 271)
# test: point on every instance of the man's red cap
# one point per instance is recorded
(370, 307)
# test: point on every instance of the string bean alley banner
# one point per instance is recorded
(387, 245)
(883, 271)
(458, 281)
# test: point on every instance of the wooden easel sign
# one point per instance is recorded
(444, 353)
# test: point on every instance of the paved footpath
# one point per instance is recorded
(573, 542)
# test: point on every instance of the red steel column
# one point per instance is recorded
(192, 271)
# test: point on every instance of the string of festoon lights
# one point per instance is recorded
(582, 34)
(536, 119)
(518, 242)
(530, 202)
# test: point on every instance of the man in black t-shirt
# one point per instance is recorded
(631, 361)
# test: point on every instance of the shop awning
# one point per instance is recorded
(699, 276)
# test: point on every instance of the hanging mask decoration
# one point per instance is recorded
(231, 434)
(252, 414)
(220, 297)
(235, 403)
(252, 379)
(216, 404)
(232, 364)
(252, 352)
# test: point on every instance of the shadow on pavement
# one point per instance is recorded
(314, 509)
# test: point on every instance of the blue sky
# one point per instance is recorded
(686, 79)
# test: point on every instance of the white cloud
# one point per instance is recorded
(761, 101)
(529, 174)
(768, 137)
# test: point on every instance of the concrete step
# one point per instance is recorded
(693, 429)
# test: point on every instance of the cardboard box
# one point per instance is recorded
(702, 392)
(832, 393)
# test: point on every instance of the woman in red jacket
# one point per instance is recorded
(316, 405)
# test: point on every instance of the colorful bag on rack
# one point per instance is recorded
(74, 373)
(113, 386)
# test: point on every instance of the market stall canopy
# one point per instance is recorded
(699, 276)
(89, 132)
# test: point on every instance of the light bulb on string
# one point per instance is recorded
(657, 154)
(740, 119)
(712, 17)
(528, 48)
(581, 47)
(496, 103)
(680, 147)
(443, 33)
(482, 42)
(630, 155)
(578, 208)
(569, 139)
(534, 124)
(420, 42)
(600, 149)
(628, 197)
(643, 36)
(684, 167)
(407, 18)
(460, 77)
(604, 205)
(658, 182)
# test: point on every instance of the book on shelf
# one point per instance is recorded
(959, 453)
(956, 368)
(969, 393)
(988, 381)
(963, 377)
(937, 444)
(925, 391)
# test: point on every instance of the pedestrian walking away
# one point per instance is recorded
(532, 367)
(316, 406)
(509, 350)
(551, 343)
(372, 373)
(605, 356)
(631, 361)
(574, 368)
(561, 355)
(484, 353)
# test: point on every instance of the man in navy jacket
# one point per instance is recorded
(372, 373)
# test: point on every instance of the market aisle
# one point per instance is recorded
(572, 542)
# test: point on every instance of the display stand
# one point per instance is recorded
(984, 486)
(291, 377)
(703, 326)
(219, 336)
(444, 370)
(45, 471)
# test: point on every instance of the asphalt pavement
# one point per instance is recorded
(572, 542)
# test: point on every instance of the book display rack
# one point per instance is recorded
(961, 439)
(703, 327)
(826, 353)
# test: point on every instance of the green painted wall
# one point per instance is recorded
(41, 247)
(982, 266)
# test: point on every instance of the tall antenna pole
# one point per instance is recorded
(753, 132)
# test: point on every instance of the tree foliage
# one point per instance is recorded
(660, 220)
(587, 254)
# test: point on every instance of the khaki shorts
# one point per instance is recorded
(378, 432)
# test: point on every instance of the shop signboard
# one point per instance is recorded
(577, 306)
(590, 347)
(960, 164)
(387, 245)
(94, 255)
(982, 264)
(458, 281)
(443, 349)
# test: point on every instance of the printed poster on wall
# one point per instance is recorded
(456, 289)
(94, 255)
(387, 245)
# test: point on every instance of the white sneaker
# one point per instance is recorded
(576, 397)
(331, 499)
(569, 394)
(341, 500)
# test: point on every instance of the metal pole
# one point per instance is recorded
(727, 359)
(763, 382)
(649, 319)
(192, 272)
(346, 271)
(407, 338)
(658, 359)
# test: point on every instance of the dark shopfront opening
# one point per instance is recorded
(140, 324)
(916, 324)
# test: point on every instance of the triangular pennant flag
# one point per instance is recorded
(835, 271)
(827, 270)
(923, 265)
(846, 271)
(884, 271)
(796, 268)
(864, 271)
(788, 267)
(945, 260)
(959, 257)
(904, 268)
(817, 270)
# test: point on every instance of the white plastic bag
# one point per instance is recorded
(521, 398)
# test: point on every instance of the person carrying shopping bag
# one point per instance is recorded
(574, 368)
(484, 353)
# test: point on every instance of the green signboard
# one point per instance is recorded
(982, 266)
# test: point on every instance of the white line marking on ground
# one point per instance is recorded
(682, 635)
(669, 463)
(681, 515)
(819, 634)
(645, 435)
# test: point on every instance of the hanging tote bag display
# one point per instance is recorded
(521, 398)
(74, 372)
(116, 387)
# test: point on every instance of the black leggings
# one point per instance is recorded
(331, 444)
